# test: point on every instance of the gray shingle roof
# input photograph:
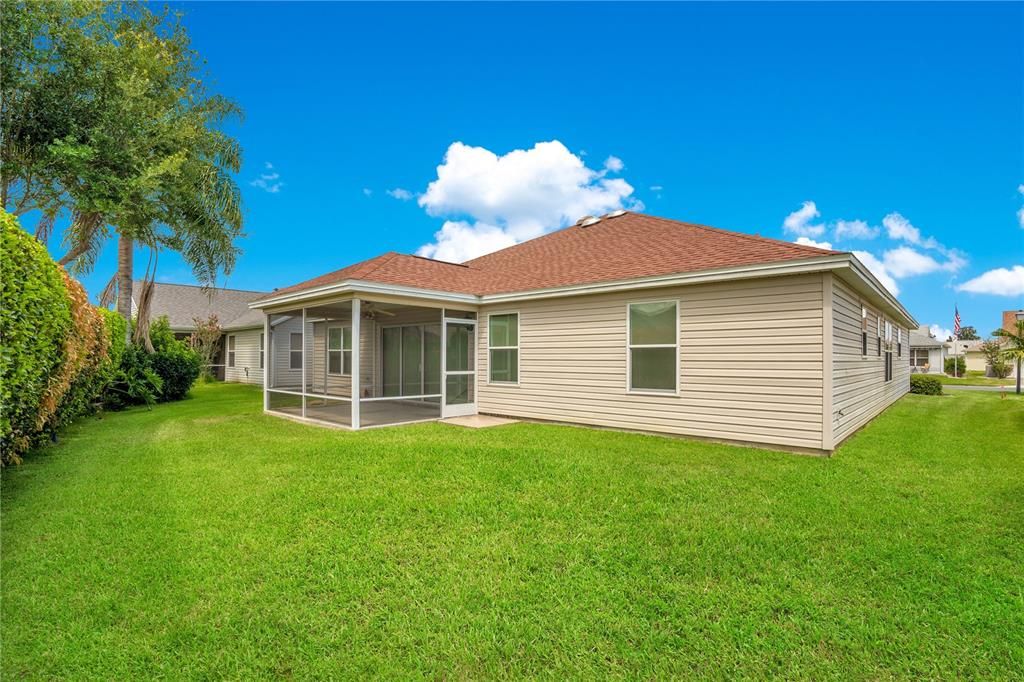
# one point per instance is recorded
(182, 303)
(920, 338)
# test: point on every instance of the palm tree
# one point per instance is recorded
(1015, 349)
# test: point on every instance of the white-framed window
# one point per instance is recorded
(295, 350)
(503, 348)
(339, 350)
(262, 348)
(652, 347)
(863, 331)
(231, 350)
(919, 357)
(899, 343)
(878, 335)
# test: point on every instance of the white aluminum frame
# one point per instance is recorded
(519, 352)
(630, 346)
(465, 408)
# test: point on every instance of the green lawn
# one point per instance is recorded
(974, 380)
(204, 539)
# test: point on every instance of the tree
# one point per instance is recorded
(106, 121)
(1014, 350)
(204, 341)
(992, 350)
(968, 334)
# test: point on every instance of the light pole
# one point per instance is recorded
(1020, 316)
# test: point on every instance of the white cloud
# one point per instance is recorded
(614, 164)
(799, 221)
(400, 194)
(901, 229)
(459, 241)
(1020, 212)
(807, 241)
(495, 201)
(269, 181)
(854, 229)
(999, 282)
(879, 270)
(656, 188)
(906, 262)
(941, 333)
(367, 192)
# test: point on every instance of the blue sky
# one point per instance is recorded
(907, 117)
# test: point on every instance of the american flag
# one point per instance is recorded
(956, 323)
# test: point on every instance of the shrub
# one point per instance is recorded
(961, 365)
(74, 387)
(134, 382)
(35, 320)
(178, 369)
(925, 385)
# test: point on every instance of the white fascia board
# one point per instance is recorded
(878, 289)
(721, 274)
(355, 286)
(840, 261)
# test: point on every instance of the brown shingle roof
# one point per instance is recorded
(628, 246)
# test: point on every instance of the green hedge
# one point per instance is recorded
(35, 321)
(925, 385)
(961, 366)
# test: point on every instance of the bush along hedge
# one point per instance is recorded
(925, 385)
(60, 357)
(35, 321)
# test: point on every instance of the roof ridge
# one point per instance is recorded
(378, 261)
(435, 260)
(746, 235)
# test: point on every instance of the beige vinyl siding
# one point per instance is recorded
(247, 357)
(751, 360)
(860, 391)
(281, 375)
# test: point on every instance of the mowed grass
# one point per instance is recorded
(975, 380)
(204, 539)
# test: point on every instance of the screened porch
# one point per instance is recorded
(361, 363)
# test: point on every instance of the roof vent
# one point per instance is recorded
(615, 214)
(587, 221)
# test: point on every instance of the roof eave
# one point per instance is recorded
(355, 286)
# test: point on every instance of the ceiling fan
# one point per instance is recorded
(370, 312)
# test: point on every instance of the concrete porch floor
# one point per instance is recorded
(478, 421)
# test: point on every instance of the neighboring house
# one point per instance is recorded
(970, 351)
(927, 353)
(626, 321)
(974, 358)
(239, 354)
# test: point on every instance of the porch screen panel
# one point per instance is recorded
(391, 360)
(412, 361)
(431, 359)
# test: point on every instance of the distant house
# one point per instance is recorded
(240, 351)
(927, 353)
(627, 321)
(974, 358)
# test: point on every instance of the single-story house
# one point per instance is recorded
(625, 320)
(970, 351)
(927, 353)
(239, 354)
